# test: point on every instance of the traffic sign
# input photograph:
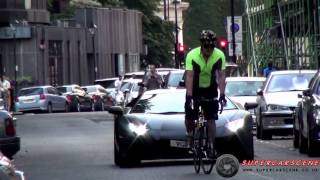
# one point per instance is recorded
(238, 49)
(237, 27)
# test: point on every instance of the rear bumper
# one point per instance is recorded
(42, 105)
(10, 146)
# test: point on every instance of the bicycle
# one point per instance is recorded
(200, 142)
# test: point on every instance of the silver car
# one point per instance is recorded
(277, 101)
(243, 90)
(44, 98)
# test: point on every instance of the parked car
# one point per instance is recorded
(101, 98)
(78, 98)
(277, 101)
(244, 90)
(107, 83)
(44, 98)
(307, 122)
(8, 171)
(130, 89)
(9, 141)
(152, 127)
(137, 75)
(173, 78)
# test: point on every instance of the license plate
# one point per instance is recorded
(179, 144)
(29, 101)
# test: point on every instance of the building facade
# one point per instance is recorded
(96, 43)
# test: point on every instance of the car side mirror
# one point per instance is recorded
(141, 84)
(252, 105)
(182, 83)
(306, 92)
(259, 92)
(299, 95)
(117, 110)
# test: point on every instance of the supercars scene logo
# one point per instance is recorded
(227, 165)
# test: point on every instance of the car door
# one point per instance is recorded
(52, 97)
(307, 104)
(61, 100)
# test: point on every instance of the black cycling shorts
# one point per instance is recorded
(210, 108)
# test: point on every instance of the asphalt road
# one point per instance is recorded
(79, 146)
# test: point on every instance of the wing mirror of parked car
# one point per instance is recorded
(299, 95)
(307, 92)
(141, 84)
(252, 105)
(182, 83)
(116, 110)
(259, 92)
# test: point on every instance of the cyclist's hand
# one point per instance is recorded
(189, 102)
(222, 101)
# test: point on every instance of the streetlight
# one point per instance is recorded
(92, 32)
(177, 31)
(14, 29)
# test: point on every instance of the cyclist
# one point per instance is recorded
(205, 73)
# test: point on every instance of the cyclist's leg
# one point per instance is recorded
(190, 116)
(211, 114)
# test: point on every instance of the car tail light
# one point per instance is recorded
(69, 98)
(42, 96)
(10, 128)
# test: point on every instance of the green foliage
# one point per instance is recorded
(84, 3)
(207, 14)
(157, 34)
(111, 3)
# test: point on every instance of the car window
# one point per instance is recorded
(135, 88)
(51, 90)
(289, 82)
(125, 85)
(30, 91)
(106, 83)
(158, 103)
(243, 88)
(62, 89)
(91, 89)
(174, 79)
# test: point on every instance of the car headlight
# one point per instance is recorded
(233, 126)
(273, 107)
(138, 129)
(316, 114)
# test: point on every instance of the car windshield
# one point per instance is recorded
(243, 88)
(158, 103)
(31, 91)
(106, 83)
(289, 82)
(125, 86)
(174, 79)
(90, 89)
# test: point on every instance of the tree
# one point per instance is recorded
(207, 14)
(84, 3)
(157, 34)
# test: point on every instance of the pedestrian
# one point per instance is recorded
(268, 70)
(153, 79)
(118, 83)
(6, 93)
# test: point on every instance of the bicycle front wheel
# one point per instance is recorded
(196, 150)
(207, 153)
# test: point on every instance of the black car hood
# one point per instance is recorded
(167, 126)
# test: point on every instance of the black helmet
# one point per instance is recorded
(208, 38)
